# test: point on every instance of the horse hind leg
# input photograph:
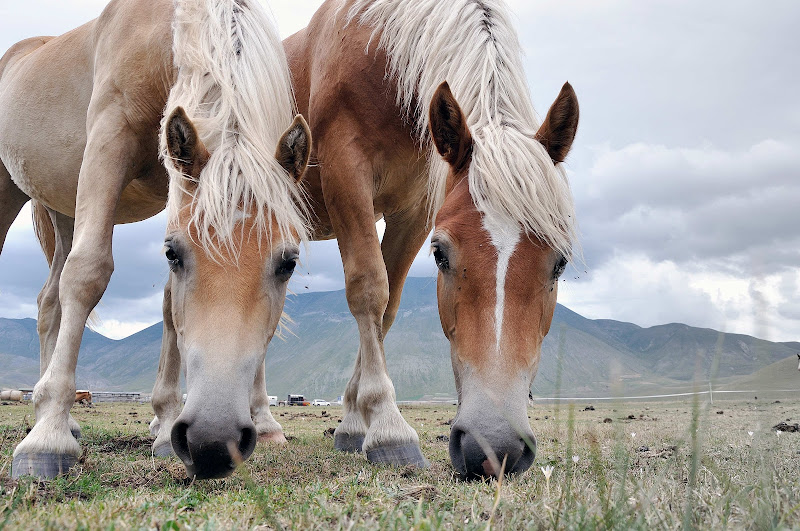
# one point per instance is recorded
(166, 399)
(268, 429)
(54, 231)
(349, 435)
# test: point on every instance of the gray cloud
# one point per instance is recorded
(685, 167)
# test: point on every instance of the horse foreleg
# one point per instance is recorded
(268, 429)
(348, 185)
(166, 399)
(58, 229)
(50, 449)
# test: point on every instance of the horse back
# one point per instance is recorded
(339, 78)
(53, 88)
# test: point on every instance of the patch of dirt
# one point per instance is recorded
(665, 453)
(419, 492)
(125, 443)
(791, 428)
(329, 432)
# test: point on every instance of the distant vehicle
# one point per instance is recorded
(273, 400)
(295, 400)
(320, 402)
(340, 399)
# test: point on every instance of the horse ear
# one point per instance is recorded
(560, 125)
(294, 148)
(185, 147)
(449, 129)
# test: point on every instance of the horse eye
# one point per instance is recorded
(286, 268)
(561, 265)
(441, 259)
(173, 259)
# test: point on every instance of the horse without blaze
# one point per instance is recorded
(80, 120)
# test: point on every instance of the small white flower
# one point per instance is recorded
(575, 458)
(547, 471)
(750, 433)
(633, 434)
(778, 433)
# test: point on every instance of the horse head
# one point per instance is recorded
(497, 288)
(226, 301)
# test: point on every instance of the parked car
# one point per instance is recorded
(273, 400)
(320, 402)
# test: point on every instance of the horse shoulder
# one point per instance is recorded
(133, 59)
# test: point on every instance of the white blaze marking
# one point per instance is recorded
(505, 236)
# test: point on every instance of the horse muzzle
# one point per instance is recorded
(213, 450)
(479, 452)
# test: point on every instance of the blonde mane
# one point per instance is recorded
(234, 83)
(472, 45)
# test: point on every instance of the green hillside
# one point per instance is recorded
(315, 356)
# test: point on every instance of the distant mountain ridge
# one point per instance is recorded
(316, 356)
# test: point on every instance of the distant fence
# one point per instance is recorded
(711, 394)
(114, 396)
(103, 396)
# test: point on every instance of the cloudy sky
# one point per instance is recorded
(686, 168)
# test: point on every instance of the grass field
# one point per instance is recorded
(653, 465)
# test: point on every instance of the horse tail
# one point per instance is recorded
(46, 234)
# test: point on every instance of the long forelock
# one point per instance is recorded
(473, 46)
(234, 83)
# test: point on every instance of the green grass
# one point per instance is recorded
(714, 476)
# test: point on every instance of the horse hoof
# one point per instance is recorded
(276, 437)
(163, 450)
(345, 442)
(155, 426)
(401, 455)
(44, 466)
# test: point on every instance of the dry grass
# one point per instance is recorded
(667, 475)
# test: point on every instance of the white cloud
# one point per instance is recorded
(694, 205)
(634, 288)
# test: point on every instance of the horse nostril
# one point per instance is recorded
(247, 441)
(180, 442)
(526, 458)
(457, 450)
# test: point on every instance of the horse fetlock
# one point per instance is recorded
(268, 429)
(349, 435)
(161, 428)
(74, 428)
(155, 426)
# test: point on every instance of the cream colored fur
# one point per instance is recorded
(234, 84)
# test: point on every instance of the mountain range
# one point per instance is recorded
(315, 355)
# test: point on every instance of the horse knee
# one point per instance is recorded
(85, 277)
(368, 294)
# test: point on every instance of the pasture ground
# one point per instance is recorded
(654, 465)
